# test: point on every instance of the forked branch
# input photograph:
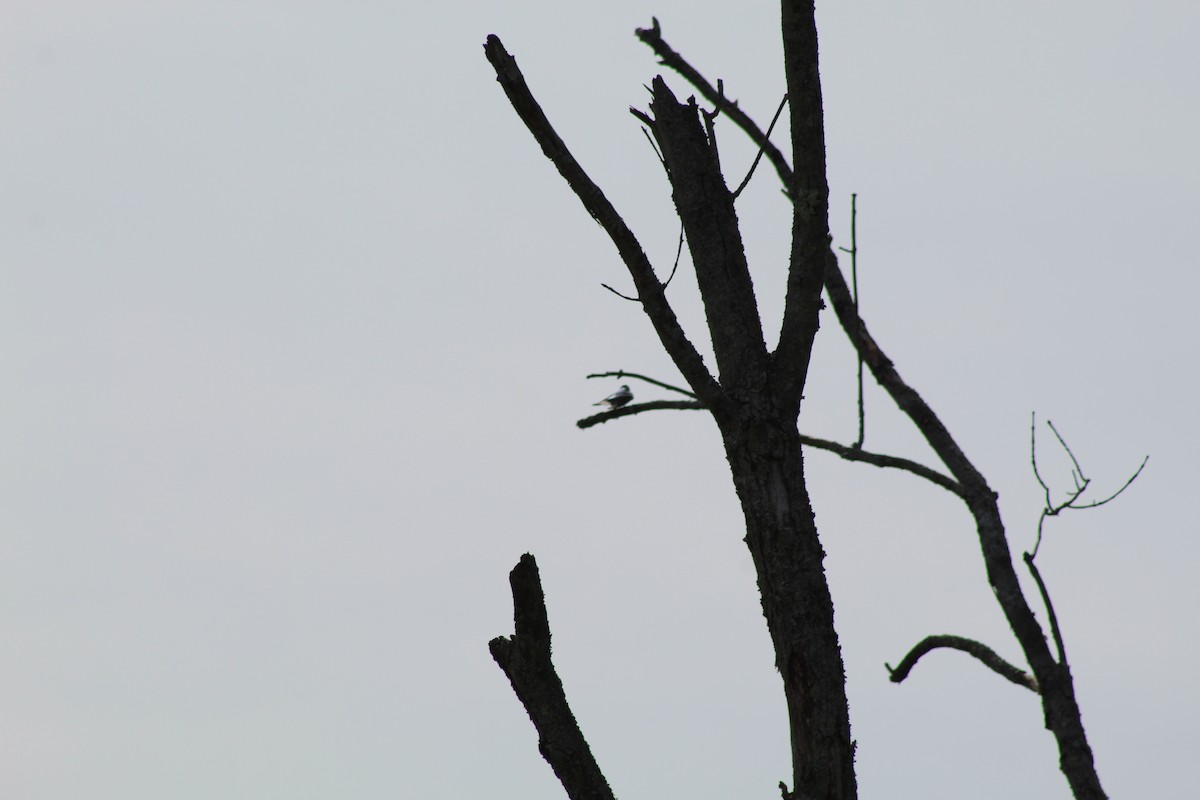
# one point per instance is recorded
(1059, 705)
(1082, 483)
(847, 452)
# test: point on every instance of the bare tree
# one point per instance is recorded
(755, 399)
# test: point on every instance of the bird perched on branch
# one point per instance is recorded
(617, 399)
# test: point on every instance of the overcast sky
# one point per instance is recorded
(295, 321)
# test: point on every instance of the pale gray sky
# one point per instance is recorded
(295, 323)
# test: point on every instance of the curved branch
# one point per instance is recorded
(850, 453)
(649, 291)
(525, 659)
(986, 655)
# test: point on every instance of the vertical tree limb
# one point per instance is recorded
(809, 191)
(525, 659)
(706, 209)
(1060, 707)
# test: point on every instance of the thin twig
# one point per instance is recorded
(654, 147)
(862, 415)
(1117, 493)
(710, 119)
(1054, 629)
(1075, 461)
(985, 654)
(678, 253)
(758, 157)
(623, 374)
(1081, 481)
(622, 296)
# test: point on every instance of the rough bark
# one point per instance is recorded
(765, 458)
(1060, 707)
(525, 659)
(758, 424)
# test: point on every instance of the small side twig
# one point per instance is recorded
(650, 139)
(986, 655)
(710, 119)
(1054, 629)
(622, 296)
(623, 374)
(853, 252)
(761, 149)
(1080, 481)
(678, 253)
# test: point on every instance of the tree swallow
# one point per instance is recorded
(616, 399)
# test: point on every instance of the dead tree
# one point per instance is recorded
(755, 400)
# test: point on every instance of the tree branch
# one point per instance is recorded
(649, 290)
(846, 452)
(652, 38)
(758, 156)
(705, 207)
(853, 252)
(855, 453)
(809, 191)
(525, 659)
(985, 654)
(1054, 629)
(1059, 705)
(623, 374)
(638, 408)
(1082, 483)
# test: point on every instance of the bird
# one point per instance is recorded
(616, 399)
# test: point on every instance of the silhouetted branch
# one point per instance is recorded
(678, 253)
(525, 659)
(650, 292)
(1081, 481)
(638, 408)
(759, 155)
(653, 146)
(714, 240)
(1118, 492)
(1060, 708)
(853, 252)
(847, 452)
(985, 654)
(618, 294)
(652, 37)
(856, 453)
(1054, 629)
(623, 374)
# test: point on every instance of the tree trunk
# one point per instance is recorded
(768, 472)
